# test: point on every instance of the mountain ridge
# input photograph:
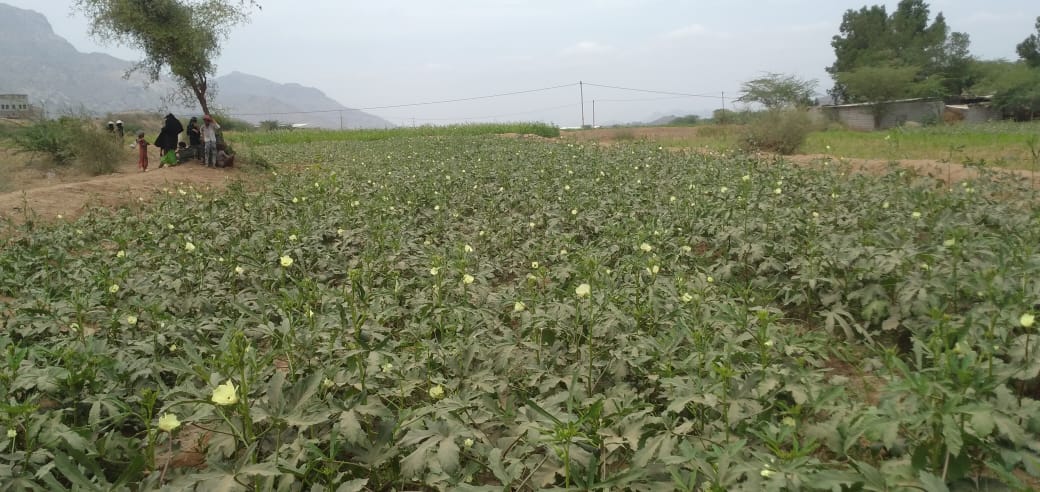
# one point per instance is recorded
(35, 60)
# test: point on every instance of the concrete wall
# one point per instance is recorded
(982, 114)
(855, 118)
(861, 117)
(898, 114)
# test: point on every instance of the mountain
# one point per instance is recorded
(249, 95)
(36, 61)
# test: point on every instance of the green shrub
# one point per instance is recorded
(69, 140)
(258, 161)
(688, 120)
(51, 137)
(780, 131)
(96, 151)
(229, 124)
(270, 125)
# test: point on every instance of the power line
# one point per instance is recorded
(427, 103)
(644, 99)
(494, 116)
(708, 96)
(672, 94)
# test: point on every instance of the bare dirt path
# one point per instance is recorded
(129, 185)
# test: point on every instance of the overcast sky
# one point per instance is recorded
(393, 52)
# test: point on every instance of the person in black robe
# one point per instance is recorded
(168, 136)
(194, 138)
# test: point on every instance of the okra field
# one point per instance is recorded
(489, 313)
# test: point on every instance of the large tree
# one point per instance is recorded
(182, 36)
(883, 83)
(778, 91)
(871, 37)
(1029, 49)
(1015, 87)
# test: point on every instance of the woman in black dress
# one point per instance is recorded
(168, 136)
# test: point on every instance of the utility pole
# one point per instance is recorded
(341, 120)
(594, 113)
(581, 91)
(723, 113)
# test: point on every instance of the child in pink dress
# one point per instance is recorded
(142, 152)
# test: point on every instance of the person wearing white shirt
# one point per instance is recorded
(209, 140)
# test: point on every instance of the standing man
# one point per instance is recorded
(209, 140)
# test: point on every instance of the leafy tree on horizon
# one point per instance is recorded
(182, 36)
(870, 37)
(778, 91)
(1029, 49)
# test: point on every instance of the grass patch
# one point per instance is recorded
(308, 136)
(1000, 144)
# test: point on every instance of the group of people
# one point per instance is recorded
(203, 144)
(116, 128)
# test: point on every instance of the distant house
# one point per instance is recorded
(880, 116)
(16, 106)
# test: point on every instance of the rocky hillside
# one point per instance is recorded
(36, 61)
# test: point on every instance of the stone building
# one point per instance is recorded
(17, 106)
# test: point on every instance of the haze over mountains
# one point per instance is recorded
(36, 61)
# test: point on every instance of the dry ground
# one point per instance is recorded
(46, 191)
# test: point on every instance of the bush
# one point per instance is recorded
(71, 140)
(780, 131)
(97, 151)
(688, 120)
(229, 124)
(258, 160)
(270, 125)
(51, 137)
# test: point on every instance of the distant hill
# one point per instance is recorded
(36, 61)
(240, 93)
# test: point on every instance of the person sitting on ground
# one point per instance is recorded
(184, 153)
(169, 159)
(224, 159)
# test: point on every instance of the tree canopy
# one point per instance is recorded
(777, 91)
(1029, 50)
(903, 41)
(182, 36)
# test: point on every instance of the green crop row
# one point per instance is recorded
(480, 313)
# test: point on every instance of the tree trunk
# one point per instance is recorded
(198, 87)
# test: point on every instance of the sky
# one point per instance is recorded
(635, 59)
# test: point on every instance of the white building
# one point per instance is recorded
(17, 106)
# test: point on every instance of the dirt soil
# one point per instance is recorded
(47, 201)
